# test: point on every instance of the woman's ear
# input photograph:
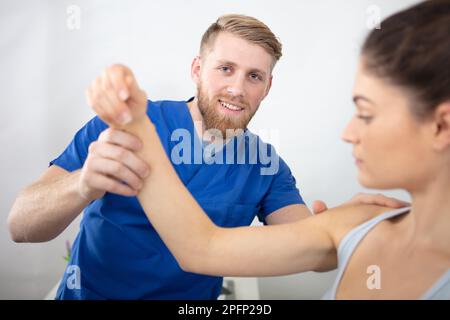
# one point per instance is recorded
(442, 126)
(195, 69)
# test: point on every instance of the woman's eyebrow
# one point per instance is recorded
(361, 97)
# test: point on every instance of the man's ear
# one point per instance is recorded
(442, 126)
(195, 69)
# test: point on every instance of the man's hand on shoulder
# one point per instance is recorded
(364, 199)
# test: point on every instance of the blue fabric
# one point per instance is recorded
(117, 254)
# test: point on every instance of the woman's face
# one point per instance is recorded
(391, 148)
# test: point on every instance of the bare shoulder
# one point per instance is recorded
(340, 220)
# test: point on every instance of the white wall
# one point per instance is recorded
(45, 67)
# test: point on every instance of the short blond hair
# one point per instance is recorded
(247, 28)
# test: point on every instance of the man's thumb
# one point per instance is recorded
(319, 206)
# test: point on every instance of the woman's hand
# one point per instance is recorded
(116, 97)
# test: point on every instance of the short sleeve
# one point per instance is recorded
(282, 192)
(74, 156)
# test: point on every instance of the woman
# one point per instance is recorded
(401, 139)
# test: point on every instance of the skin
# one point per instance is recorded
(385, 136)
(45, 208)
(394, 149)
(233, 71)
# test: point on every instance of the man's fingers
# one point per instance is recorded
(319, 206)
(117, 171)
(390, 202)
(121, 138)
(102, 182)
(379, 199)
(121, 155)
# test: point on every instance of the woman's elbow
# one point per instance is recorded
(185, 267)
(186, 264)
(192, 263)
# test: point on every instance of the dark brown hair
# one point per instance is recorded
(412, 50)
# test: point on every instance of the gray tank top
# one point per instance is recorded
(440, 290)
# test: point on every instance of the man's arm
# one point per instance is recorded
(297, 212)
(44, 209)
(288, 214)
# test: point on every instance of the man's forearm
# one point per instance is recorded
(43, 210)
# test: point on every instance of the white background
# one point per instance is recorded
(45, 67)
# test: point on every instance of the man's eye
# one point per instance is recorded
(255, 76)
(225, 69)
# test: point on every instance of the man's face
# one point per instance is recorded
(233, 77)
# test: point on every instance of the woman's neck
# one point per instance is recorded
(429, 220)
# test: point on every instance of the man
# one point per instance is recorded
(117, 253)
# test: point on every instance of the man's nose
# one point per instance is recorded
(236, 87)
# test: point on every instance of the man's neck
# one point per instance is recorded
(194, 110)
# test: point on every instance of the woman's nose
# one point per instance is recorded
(349, 133)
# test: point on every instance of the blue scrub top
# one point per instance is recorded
(117, 253)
